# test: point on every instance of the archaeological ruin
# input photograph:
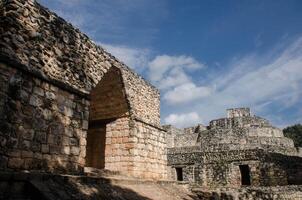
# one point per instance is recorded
(77, 123)
(239, 150)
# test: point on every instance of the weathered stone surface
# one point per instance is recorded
(39, 131)
(213, 157)
(53, 49)
(57, 84)
(65, 103)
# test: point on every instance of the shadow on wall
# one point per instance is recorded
(41, 126)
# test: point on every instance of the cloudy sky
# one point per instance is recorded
(204, 56)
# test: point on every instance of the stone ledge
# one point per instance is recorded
(12, 63)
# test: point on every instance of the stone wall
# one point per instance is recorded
(148, 150)
(217, 169)
(239, 122)
(135, 148)
(108, 98)
(42, 126)
(38, 41)
(186, 139)
(51, 74)
(144, 99)
(195, 129)
(270, 139)
(238, 112)
(118, 144)
(171, 133)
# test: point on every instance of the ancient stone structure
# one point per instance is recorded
(241, 149)
(65, 103)
(67, 106)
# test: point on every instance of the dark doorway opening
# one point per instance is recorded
(179, 174)
(95, 150)
(245, 175)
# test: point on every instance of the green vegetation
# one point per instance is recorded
(295, 133)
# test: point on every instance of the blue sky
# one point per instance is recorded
(204, 56)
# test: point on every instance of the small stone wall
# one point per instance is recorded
(148, 150)
(246, 121)
(270, 139)
(238, 112)
(216, 169)
(136, 149)
(42, 127)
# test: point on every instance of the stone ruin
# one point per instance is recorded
(240, 150)
(67, 106)
(62, 96)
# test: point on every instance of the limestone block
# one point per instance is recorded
(68, 111)
(74, 141)
(35, 101)
(38, 91)
(40, 137)
(54, 149)
(15, 163)
(45, 148)
(66, 150)
(85, 124)
(47, 114)
(75, 150)
(27, 154)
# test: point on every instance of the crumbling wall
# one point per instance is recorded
(65, 69)
(144, 99)
(216, 169)
(239, 122)
(171, 133)
(238, 112)
(270, 139)
(42, 126)
(38, 41)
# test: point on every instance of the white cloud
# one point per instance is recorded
(133, 57)
(171, 75)
(282, 75)
(176, 76)
(163, 63)
(261, 81)
(186, 93)
(183, 120)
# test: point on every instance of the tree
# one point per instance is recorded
(295, 133)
